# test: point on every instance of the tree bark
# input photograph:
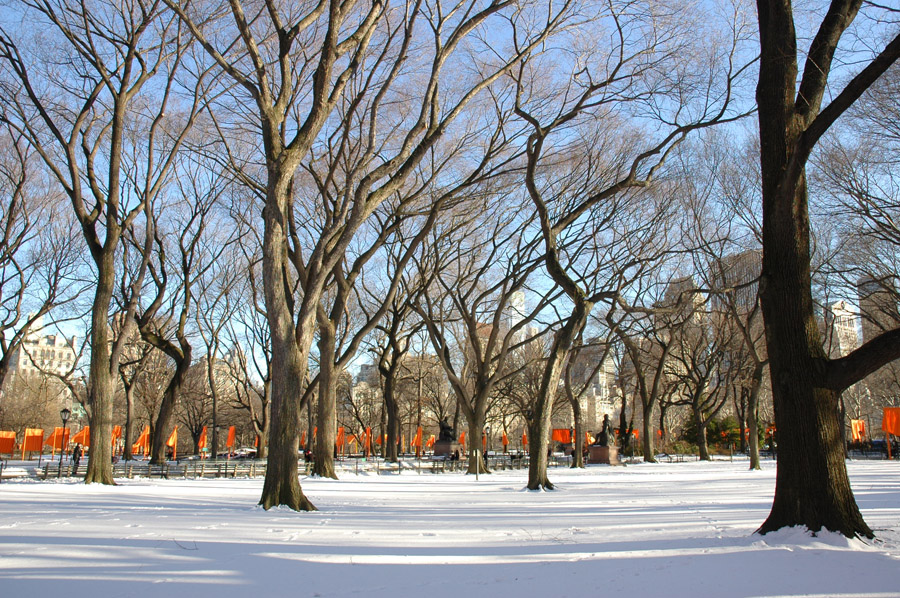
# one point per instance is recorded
(702, 440)
(559, 352)
(753, 416)
(812, 487)
(167, 408)
(100, 393)
(326, 411)
(128, 432)
(290, 357)
(578, 441)
(477, 464)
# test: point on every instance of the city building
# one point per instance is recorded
(44, 354)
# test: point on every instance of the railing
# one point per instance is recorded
(257, 468)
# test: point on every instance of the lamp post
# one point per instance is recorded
(64, 414)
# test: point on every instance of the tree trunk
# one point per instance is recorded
(624, 435)
(753, 416)
(647, 447)
(811, 487)
(129, 422)
(559, 352)
(167, 409)
(326, 413)
(578, 441)
(663, 431)
(389, 448)
(100, 393)
(702, 436)
(476, 441)
(290, 355)
(538, 452)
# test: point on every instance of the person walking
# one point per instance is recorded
(76, 458)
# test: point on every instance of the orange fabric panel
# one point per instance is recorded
(303, 439)
(858, 429)
(230, 442)
(417, 439)
(504, 439)
(34, 440)
(562, 435)
(890, 421)
(524, 439)
(143, 442)
(462, 438)
(341, 437)
(588, 439)
(172, 442)
(201, 444)
(116, 433)
(55, 440)
(83, 437)
(7, 442)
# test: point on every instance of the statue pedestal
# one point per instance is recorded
(608, 455)
(445, 448)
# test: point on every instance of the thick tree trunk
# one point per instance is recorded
(392, 409)
(559, 352)
(812, 487)
(290, 355)
(538, 452)
(326, 413)
(102, 382)
(167, 409)
(477, 464)
(282, 483)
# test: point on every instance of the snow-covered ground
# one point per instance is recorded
(664, 530)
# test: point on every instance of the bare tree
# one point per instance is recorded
(80, 122)
(184, 251)
(592, 104)
(37, 259)
(296, 65)
(812, 487)
(468, 305)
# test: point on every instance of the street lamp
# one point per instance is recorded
(64, 414)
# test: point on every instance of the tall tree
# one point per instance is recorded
(812, 488)
(469, 307)
(592, 106)
(37, 255)
(91, 125)
(295, 66)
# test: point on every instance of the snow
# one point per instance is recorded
(668, 530)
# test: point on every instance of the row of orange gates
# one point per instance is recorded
(61, 439)
(34, 440)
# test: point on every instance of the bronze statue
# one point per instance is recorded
(606, 437)
(446, 432)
